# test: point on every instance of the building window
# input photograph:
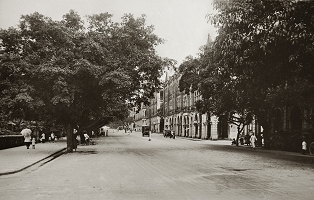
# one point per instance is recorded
(179, 102)
(170, 104)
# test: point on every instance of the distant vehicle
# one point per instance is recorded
(145, 130)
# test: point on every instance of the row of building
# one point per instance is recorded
(171, 109)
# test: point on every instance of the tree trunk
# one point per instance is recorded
(70, 138)
(264, 119)
(239, 131)
(238, 134)
(266, 135)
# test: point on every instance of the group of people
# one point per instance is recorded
(30, 138)
(252, 140)
(51, 138)
(77, 138)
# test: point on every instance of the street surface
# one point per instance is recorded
(124, 166)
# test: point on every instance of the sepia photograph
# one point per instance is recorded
(157, 99)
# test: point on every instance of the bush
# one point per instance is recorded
(8, 132)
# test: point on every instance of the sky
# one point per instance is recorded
(181, 23)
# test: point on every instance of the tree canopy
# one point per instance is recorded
(262, 57)
(66, 73)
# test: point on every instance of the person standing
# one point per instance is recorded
(33, 142)
(253, 139)
(75, 141)
(86, 137)
(303, 146)
(53, 137)
(26, 132)
(43, 138)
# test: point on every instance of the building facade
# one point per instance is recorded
(171, 109)
(148, 114)
(181, 116)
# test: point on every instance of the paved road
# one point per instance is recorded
(125, 166)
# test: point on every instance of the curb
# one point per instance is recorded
(54, 155)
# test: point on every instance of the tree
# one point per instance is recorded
(189, 70)
(260, 59)
(260, 47)
(87, 77)
(15, 88)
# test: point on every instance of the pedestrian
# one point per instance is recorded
(253, 139)
(233, 141)
(53, 137)
(33, 142)
(26, 132)
(43, 138)
(303, 146)
(241, 141)
(75, 141)
(86, 136)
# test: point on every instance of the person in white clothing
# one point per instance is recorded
(26, 132)
(33, 142)
(253, 139)
(303, 146)
(43, 138)
(53, 137)
(86, 138)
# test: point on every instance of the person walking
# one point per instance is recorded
(253, 139)
(26, 132)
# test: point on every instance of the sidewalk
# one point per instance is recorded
(16, 159)
(287, 155)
